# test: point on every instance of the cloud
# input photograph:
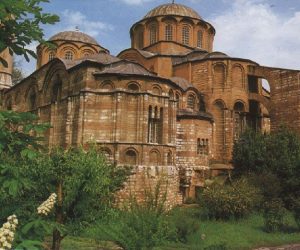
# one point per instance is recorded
(72, 19)
(135, 2)
(251, 29)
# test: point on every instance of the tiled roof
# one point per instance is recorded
(73, 36)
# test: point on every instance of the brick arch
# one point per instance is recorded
(238, 76)
(155, 157)
(31, 97)
(107, 85)
(133, 86)
(219, 75)
(131, 156)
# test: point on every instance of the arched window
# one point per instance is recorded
(51, 56)
(69, 55)
(153, 34)
(171, 95)
(156, 90)
(155, 125)
(186, 35)
(169, 32)
(56, 91)
(199, 38)
(239, 119)
(191, 102)
(9, 103)
(140, 39)
(169, 159)
(32, 100)
(130, 157)
(133, 87)
(177, 101)
(107, 85)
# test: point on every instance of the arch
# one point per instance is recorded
(9, 103)
(199, 39)
(153, 33)
(155, 124)
(219, 135)
(107, 85)
(105, 151)
(191, 101)
(51, 56)
(154, 157)
(169, 32)
(239, 119)
(238, 76)
(171, 94)
(170, 158)
(69, 55)
(130, 156)
(31, 97)
(219, 75)
(178, 100)
(133, 86)
(156, 90)
(185, 34)
(56, 90)
(86, 52)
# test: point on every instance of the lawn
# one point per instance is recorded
(245, 234)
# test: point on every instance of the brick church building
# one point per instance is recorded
(170, 106)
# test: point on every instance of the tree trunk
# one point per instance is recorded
(57, 237)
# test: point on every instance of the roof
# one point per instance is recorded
(181, 82)
(75, 36)
(174, 10)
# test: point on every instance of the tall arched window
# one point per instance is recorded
(155, 125)
(69, 55)
(177, 100)
(191, 102)
(140, 39)
(239, 119)
(169, 32)
(186, 35)
(199, 38)
(51, 56)
(56, 92)
(153, 34)
(32, 100)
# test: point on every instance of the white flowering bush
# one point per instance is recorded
(7, 232)
(46, 207)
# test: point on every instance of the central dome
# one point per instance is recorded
(75, 36)
(173, 9)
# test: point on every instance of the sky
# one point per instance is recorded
(265, 31)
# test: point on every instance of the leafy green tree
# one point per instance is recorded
(20, 24)
(17, 73)
(249, 153)
(84, 182)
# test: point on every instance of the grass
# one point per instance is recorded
(243, 234)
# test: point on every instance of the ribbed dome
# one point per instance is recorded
(74, 36)
(173, 9)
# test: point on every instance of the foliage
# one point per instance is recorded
(20, 133)
(296, 211)
(277, 153)
(274, 212)
(249, 153)
(231, 201)
(20, 24)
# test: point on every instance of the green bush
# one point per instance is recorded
(231, 201)
(274, 212)
(296, 211)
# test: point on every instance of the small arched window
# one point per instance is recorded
(140, 39)
(177, 101)
(191, 102)
(130, 157)
(153, 34)
(133, 87)
(169, 32)
(32, 100)
(69, 55)
(186, 35)
(51, 56)
(199, 38)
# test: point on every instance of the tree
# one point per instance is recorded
(84, 182)
(20, 22)
(17, 73)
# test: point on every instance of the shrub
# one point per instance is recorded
(296, 211)
(274, 212)
(231, 201)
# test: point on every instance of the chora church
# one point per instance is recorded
(170, 106)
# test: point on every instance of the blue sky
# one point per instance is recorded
(266, 31)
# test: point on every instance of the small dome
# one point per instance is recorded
(75, 36)
(174, 10)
